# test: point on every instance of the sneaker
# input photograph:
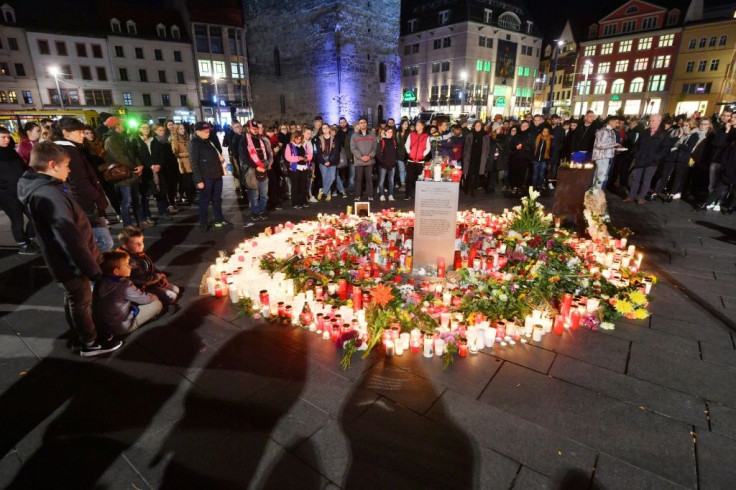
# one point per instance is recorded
(100, 347)
(28, 248)
(319, 196)
(305, 205)
(391, 198)
(296, 206)
(550, 186)
(628, 199)
(640, 202)
(328, 198)
(149, 221)
(717, 208)
(248, 224)
(334, 194)
(220, 224)
(344, 195)
(676, 196)
(370, 198)
(402, 188)
(382, 198)
(145, 224)
(312, 199)
(711, 206)
(173, 210)
(278, 207)
(407, 198)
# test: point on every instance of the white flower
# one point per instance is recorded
(533, 195)
(607, 326)
(517, 209)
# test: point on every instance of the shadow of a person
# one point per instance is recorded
(232, 410)
(109, 405)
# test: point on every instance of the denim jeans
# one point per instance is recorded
(212, 192)
(329, 175)
(540, 167)
(103, 238)
(129, 195)
(382, 173)
(402, 172)
(258, 198)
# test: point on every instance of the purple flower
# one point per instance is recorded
(543, 257)
(513, 288)
(549, 244)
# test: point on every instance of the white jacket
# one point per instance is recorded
(605, 143)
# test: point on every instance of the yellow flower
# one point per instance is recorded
(638, 297)
(624, 307)
(640, 313)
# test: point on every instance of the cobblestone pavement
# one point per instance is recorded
(202, 398)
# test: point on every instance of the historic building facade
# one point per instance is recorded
(557, 68)
(328, 58)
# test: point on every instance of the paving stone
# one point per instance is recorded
(469, 375)
(716, 460)
(640, 393)
(122, 475)
(393, 447)
(530, 480)
(647, 336)
(611, 472)
(715, 334)
(496, 470)
(712, 382)
(658, 444)
(537, 447)
(330, 392)
(719, 353)
(330, 448)
(9, 467)
(400, 386)
(723, 420)
(602, 350)
(527, 355)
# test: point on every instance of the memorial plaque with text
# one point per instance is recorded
(436, 219)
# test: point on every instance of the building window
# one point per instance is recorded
(183, 100)
(722, 41)
(482, 41)
(712, 42)
(180, 77)
(645, 43)
(604, 67)
(143, 75)
(220, 69)
(123, 74)
(27, 97)
(20, 70)
(43, 46)
(637, 85)
(165, 100)
(437, 44)
(600, 87)
(702, 42)
(139, 53)
(641, 64)
(443, 17)
(714, 65)
(622, 66)
(625, 46)
(617, 86)
(276, 62)
(4, 68)
(414, 48)
(3, 97)
(692, 44)
(606, 48)
(130, 26)
(662, 61)
(177, 56)
(411, 26)
(216, 40)
(690, 66)
(115, 25)
(435, 68)
(13, 44)
(158, 55)
(81, 49)
(447, 42)
(585, 88)
(68, 96)
(127, 98)
(628, 26)
(146, 100)
(589, 51)
(382, 72)
(509, 20)
(696, 88)
(161, 30)
(96, 51)
(200, 39)
(175, 33)
(609, 30)
(205, 68)
(101, 73)
(119, 52)
(445, 66)
(162, 76)
(666, 41)
(487, 16)
(672, 18)
(649, 23)
(657, 83)
(8, 14)
(86, 72)
(701, 65)
(66, 71)
(98, 97)
(407, 49)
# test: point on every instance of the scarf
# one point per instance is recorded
(164, 140)
(252, 151)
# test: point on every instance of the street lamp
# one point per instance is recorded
(55, 72)
(558, 45)
(464, 78)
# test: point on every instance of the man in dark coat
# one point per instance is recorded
(653, 146)
(206, 163)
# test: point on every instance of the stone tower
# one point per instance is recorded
(330, 57)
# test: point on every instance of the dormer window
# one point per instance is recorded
(487, 16)
(632, 10)
(8, 14)
(115, 25)
(412, 25)
(175, 33)
(444, 17)
(161, 30)
(509, 20)
(130, 26)
(672, 18)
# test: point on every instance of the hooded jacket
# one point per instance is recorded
(113, 300)
(62, 227)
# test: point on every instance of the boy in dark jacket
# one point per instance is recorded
(117, 304)
(144, 273)
(67, 242)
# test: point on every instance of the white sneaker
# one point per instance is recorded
(717, 208)
(711, 206)
(382, 198)
(313, 199)
(551, 186)
(676, 196)
(391, 198)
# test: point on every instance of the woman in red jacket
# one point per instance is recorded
(30, 134)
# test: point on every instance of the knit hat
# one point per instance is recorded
(112, 121)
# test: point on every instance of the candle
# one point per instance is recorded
(480, 340)
(415, 346)
(211, 286)
(462, 348)
(428, 344)
(537, 333)
(592, 305)
(389, 348)
(405, 339)
(566, 303)
(357, 299)
(559, 324)
(575, 319)
(446, 298)
(233, 290)
(439, 347)
(441, 267)
(399, 348)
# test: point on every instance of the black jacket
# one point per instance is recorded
(83, 182)
(583, 138)
(62, 227)
(11, 169)
(205, 160)
(245, 158)
(333, 157)
(651, 149)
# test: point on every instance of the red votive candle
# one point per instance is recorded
(357, 299)
(462, 348)
(574, 319)
(566, 303)
(559, 324)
